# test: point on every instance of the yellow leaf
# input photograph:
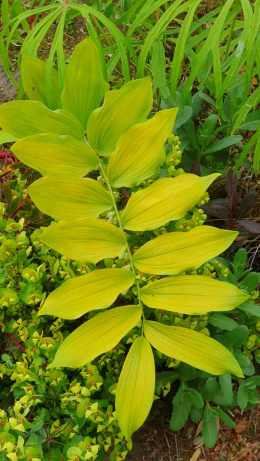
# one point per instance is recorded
(33, 72)
(52, 153)
(96, 290)
(24, 118)
(121, 109)
(86, 239)
(140, 151)
(135, 390)
(96, 336)
(192, 294)
(68, 197)
(193, 348)
(84, 84)
(176, 252)
(165, 200)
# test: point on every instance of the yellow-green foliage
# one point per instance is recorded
(126, 149)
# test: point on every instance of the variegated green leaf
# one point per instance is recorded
(97, 336)
(86, 239)
(52, 153)
(25, 118)
(165, 200)
(135, 390)
(176, 252)
(96, 290)
(68, 197)
(193, 348)
(192, 294)
(140, 151)
(84, 84)
(121, 109)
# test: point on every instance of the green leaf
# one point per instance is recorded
(242, 396)
(51, 153)
(165, 200)
(192, 294)
(181, 410)
(223, 144)
(135, 390)
(176, 252)
(140, 151)
(224, 417)
(33, 72)
(222, 321)
(121, 109)
(97, 336)
(209, 427)
(96, 290)
(253, 309)
(84, 84)
(192, 347)
(6, 137)
(71, 197)
(86, 239)
(225, 382)
(24, 118)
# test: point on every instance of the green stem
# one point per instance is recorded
(102, 170)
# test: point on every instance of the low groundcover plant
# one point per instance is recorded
(125, 149)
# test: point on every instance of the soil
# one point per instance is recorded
(8, 91)
(156, 442)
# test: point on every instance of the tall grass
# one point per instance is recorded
(218, 51)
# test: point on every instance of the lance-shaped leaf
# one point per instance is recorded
(140, 151)
(97, 336)
(165, 200)
(192, 294)
(33, 73)
(121, 109)
(96, 290)
(86, 239)
(52, 153)
(24, 118)
(193, 348)
(135, 390)
(176, 252)
(84, 84)
(68, 197)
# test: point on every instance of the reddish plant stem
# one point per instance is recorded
(19, 207)
(15, 340)
(6, 154)
(125, 194)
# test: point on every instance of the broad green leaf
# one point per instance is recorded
(209, 427)
(24, 118)
(68, 197)
(121, 109)
(84, 84)
(140, 151)
(176, 252)
(51, 153)
(192, 294)
(192, 347)
(165, 200)
(135, 390)
(33, 72)
(97, 336)
(6, 137)
(86, 239)
(96, 290)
